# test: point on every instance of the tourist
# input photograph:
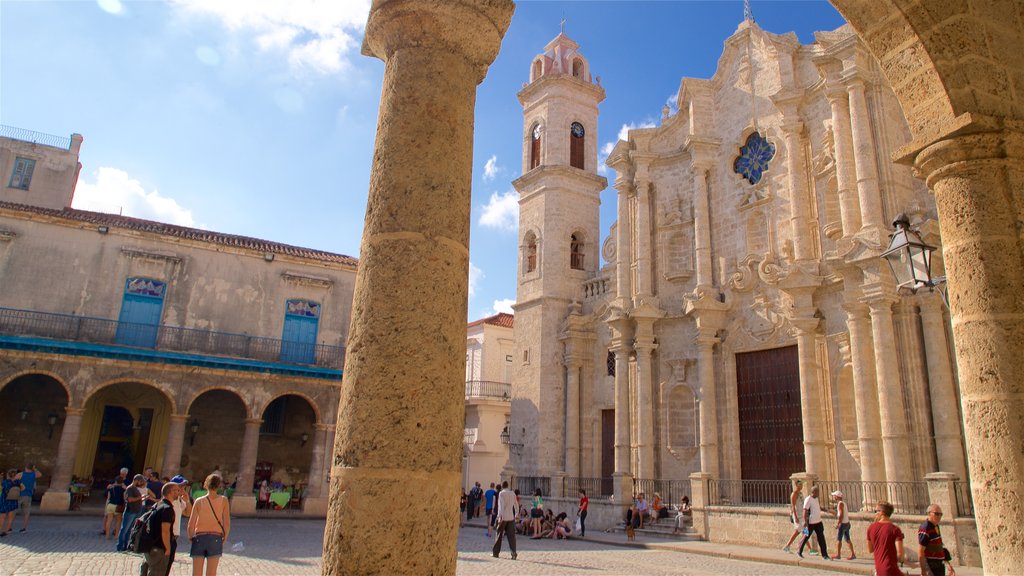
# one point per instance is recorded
(581, 512)
(489, 507)
(885, 542)
(264, 495)
(659, 507)
(9, 497)
(506, 509)
(182, 504)
(154, 485)
(155, 561)
(462, 504)
(794, 518)
(476, 495)
(536, 513)
(547, 525)
(642, 508)
(930, 549)
(114, 507)
(135, 500)
(683, 515)
(524, 520)
(208, 527)
(562, 527)
(27, 479)
(812, 520)
(842, 526)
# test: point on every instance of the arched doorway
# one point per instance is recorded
(218, 418)
(286, 448)
(32, 410)
(124, 426)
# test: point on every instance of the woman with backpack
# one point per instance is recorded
(9, 501)
(208, 527)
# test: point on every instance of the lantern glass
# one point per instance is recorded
(908, 257)
(505, 438)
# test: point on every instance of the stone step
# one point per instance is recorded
(662, 531)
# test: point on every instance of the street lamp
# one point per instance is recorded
(51, 419)
(910, 258)
(23, 413)
(194, 428)
(506, 439)
(305, 438)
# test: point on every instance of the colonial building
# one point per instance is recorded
(738, 320)
(127, 342)
(489, 353)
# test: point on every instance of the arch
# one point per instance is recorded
(312, 403)
(537, 69)
(32, 409)
(577, 251)
(245, 403)
(535, 145)
(163, 389)
(58, 379)
(531, 252)
(220, 413)
(578, 68)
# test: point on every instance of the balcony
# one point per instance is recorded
(487, 390)
(129, 336)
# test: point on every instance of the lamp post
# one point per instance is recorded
(194, 429)
(506, 439)
(305, 438)
(910, 258)
(51, 419)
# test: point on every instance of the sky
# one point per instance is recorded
(258, 117)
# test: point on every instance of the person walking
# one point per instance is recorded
(9, 497)
(812, 519)
(114, 507)
(208, 527)
(507, 512)
(885, 542)
(182, 504)
(27, 479)
(155, 560)
(476, 494)
(489, 507)
(930, 549)
(582, 512)
(842, 526)
(134, 502)
(794, 518)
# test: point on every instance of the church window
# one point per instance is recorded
(577, 68)
(754, 157)
(575, 253)
(21, 176)
(576, 134)
(535, 146)
(530, 253)
(610, 362)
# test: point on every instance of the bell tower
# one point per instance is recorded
(559, 233)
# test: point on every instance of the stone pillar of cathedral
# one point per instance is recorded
(846, 173)
(247, 467)
(644, 345)
(891, 407)
(975, 173)
(914, 374)
(813, 417)
(317, 461)
(623, 286)
(410, 340)
(56, 496)
(622, 475)
(573, 365)
(945, 405)
(868, 194)
(643, 238)
(175, 441)
(796, 178)
(702, 229)
(862, 354)
(708, 414)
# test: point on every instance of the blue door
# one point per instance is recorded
(141, 307)
(298, 341)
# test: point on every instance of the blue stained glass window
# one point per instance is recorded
(754, 158)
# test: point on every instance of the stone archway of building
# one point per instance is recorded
(286, 442)
(28, 404)
(219, 416)
(125, 424)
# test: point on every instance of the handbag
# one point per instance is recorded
(14, 492)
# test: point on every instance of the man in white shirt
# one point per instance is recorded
(813, 524)
(508, 510)
(182, 507)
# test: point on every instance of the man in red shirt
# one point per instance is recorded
(582, 512)
(885, 541)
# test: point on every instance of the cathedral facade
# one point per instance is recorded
(738, 320)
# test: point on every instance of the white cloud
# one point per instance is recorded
(110, 6)
(313, 35)
(504, 305)
(501, 211)
(491, 168)
(475, 276)
(602, 168)
(673, 103)
(116, 192)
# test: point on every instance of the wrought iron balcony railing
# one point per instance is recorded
(70, 327)
(488, 390)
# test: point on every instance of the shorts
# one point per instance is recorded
(796, 524)
(26, 503)
(537, 513)
(843, 532)
(207, 546)
(111, 509)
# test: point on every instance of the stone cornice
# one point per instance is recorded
(303, 279)
(133, 252)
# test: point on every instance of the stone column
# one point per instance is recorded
(891, 407)
(846, 173)
(314, 500)
(175, 440)
(406, 357)
(622, 476)
(702, 228)
(243, 500)
(644, 347)
(815, 455)
(976, 176)
(57, 497)
(796, 174)
(708, 408)
(699, 501)
(945, 406)
(623, 286)
(868, 192)
(865, 391)
(643, 238)
(572, 418)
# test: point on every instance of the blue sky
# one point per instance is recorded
(257, 117)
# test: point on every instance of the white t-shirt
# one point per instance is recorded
(811, 503)
(179, 509)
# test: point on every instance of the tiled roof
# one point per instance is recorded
(140, 225)
(503, 319)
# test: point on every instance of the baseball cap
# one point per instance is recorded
(837, 494)
(179, 479)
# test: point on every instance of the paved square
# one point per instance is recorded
(56, 545)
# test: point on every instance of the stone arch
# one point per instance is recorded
(247, 403)
(285, 450)
(578, 246)
(579, 69)
(537, 69)
(312, 403)
(53, 375)
(221, 413)
(33, 407)
(162, 388)
(530, 251)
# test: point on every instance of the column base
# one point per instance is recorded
(55, 501)
(243, 505)
(622, 483)
(315, 507)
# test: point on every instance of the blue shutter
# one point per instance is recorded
(298, 340)
(141, 308)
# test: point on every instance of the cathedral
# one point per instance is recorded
(738, 321)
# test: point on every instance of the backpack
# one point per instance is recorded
(141, 538)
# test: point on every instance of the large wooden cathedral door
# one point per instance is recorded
(771, 423)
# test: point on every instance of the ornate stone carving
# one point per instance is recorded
(303, 279)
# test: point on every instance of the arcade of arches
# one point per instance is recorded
(87, 419)
(958, 71)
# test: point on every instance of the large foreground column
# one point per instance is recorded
(175, 441)
(57, 496)
(243, 501)
(979, 191)
(401, 410)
